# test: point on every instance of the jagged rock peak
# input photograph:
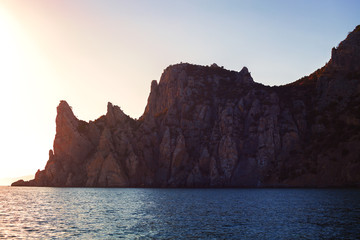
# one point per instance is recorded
(188, 82)
(189, 66)
(154, 85)
(180, 71)
(244, 71)
(114, 114)
(245, 76)
(65, 116)
(352, 39)
(346, 56)
(110, 106)
(64, 108)
(214, 65)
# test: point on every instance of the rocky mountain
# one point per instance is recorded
(205, 126)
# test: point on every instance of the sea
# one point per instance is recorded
(145, 213)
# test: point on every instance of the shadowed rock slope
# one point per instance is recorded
(210, 127)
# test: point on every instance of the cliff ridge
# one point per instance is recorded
(205, 126)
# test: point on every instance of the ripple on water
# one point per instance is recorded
(63, 213)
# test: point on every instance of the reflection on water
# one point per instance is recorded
(95, 213)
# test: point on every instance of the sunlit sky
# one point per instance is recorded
(91, 52)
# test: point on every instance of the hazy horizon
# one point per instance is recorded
(7, 181)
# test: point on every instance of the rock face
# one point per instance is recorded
(210, 127)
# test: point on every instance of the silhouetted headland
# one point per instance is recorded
(205, 126)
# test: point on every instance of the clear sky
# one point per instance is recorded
(89, 52)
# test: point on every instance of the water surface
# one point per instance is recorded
(96, 213)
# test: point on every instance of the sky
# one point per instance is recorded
(90, 52)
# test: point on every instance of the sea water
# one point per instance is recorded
(97, 213)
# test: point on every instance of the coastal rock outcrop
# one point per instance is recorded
(205, 126)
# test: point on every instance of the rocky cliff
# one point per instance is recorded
(210, 127)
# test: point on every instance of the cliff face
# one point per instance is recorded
(210, 127)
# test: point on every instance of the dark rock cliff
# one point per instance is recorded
(210, 127)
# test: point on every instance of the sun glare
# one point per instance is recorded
(10, 74)
(21, 81)
(8, 46)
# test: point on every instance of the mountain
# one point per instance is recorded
(205, 126)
